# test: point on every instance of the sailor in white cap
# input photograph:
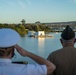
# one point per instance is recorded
(8, 42)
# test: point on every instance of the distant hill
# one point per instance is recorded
(71, 23)
(53, 24)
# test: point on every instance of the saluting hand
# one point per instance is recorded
(20, 50)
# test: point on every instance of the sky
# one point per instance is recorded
(45, 11)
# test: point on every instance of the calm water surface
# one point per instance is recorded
(40, 46)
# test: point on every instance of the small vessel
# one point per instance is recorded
(31, 33)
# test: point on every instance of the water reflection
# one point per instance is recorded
(41, 42)
(22, 42)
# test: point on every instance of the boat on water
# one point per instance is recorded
(31, 33)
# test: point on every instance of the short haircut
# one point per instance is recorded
(71, 41)
(6, 51)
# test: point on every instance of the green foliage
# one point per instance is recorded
(23, 22)
(1, 25)
(23, 29)
(19, 28)
(41, 27)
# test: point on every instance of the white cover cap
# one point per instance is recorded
(8, 37)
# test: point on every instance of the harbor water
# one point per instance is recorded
(40, 46)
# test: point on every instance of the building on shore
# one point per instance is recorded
(40, 33)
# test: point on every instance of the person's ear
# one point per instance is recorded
(61, 41)
(75, 40)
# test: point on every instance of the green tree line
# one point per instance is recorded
(39, 27)
(23, 29)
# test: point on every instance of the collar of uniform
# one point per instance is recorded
(5, 60)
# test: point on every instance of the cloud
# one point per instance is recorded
(21, 3)
(75, 1)
(9, 3)
(46, 0)
(29, 2)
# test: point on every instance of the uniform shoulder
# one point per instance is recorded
(57, 51)
(54, 53)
